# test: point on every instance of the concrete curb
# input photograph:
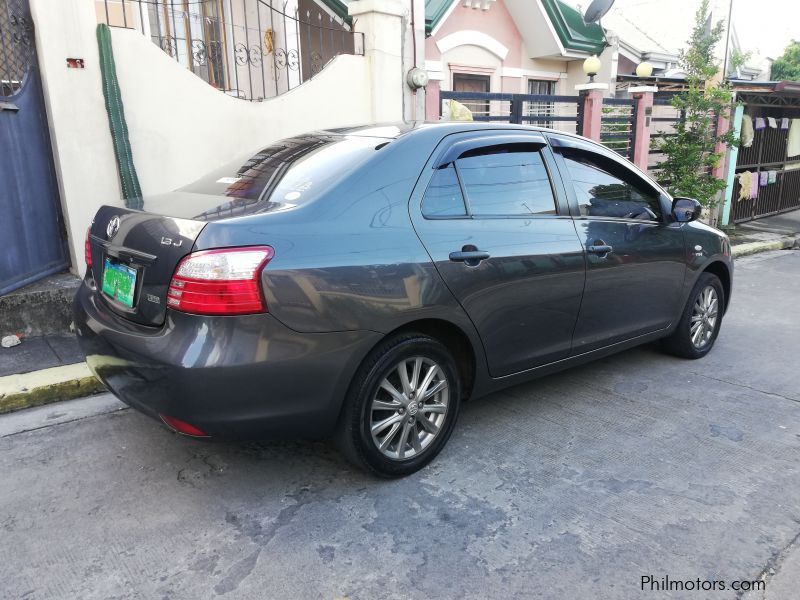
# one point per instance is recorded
(48, 385)
(754, 247)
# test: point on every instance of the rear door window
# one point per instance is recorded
(443, 197)
(506, 180)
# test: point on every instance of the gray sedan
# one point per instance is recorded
(365, 282)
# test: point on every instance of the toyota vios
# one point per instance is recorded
(365, 282)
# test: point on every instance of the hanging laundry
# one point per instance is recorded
(785, 123)
(760, 124)
(773, 176)
(793, 140)
(763, 178)
(772, 122)
(745, 184)
(754, 186)
(746, 136)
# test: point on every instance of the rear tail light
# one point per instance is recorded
(87, 249)
(220, 282)
(183, 427)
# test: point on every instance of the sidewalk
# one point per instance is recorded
(770, 233)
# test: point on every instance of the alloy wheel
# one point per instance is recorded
(704, 317)
(409, 408)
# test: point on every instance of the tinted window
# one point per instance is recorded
(506, 180)
(606, 188)
(443, 197)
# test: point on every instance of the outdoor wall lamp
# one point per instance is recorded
(591, 66)
(645, 69)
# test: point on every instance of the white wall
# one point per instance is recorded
(82, 148)
(180, 127)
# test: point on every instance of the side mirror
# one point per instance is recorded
(686, 209)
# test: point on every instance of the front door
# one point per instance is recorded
(634, 253)
(30, 224)
(499, 233)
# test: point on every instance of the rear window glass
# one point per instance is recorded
(289, 171)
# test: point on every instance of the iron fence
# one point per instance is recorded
(16, 45)
(250, 49)
(618, 125)
(561, 113)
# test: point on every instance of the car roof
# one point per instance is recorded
(395, 130)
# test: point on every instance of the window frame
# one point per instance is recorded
(664, 199)
(459, 146)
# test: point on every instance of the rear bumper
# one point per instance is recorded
(232, 377)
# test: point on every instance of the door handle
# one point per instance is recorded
(469, 257)
(599, 247)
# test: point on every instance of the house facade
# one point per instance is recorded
(509, 46)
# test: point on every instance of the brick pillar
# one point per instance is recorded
(432, 101)
(592, 98)
(643, 96)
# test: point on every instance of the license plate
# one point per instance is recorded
(119, 282)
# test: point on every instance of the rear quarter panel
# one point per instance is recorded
(350, 260)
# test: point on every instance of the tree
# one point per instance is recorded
(690, 154)
(787, 67)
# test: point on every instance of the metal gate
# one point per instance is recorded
(767, 157)
(31, 229)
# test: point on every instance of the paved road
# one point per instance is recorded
(570, 487)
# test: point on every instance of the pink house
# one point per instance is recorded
(510, 46)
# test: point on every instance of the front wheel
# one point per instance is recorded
(701, 319)
(401, 407)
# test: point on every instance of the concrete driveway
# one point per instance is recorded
(574, 486)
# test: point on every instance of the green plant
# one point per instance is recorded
(690, 154)
(787, 67)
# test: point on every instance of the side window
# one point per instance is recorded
(606, 188)
(443, 197)
(506, 180)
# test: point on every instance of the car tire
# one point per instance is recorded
(694, 335)
(379, 404)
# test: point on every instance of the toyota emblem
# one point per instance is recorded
(112, 227)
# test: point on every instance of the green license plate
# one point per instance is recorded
(119, 282)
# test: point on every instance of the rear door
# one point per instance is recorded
(500, 235)
(634, 251)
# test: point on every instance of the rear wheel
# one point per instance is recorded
(701, 319)
(402, 406)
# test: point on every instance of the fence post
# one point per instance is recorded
(733, 155)
(643, 97)
(592, 99)
(433, 104)
(381, 21)
(516, 109)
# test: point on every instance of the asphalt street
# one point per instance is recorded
(573, 486)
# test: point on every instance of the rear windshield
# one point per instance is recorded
(284, 174)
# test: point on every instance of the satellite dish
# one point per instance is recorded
(597, 10)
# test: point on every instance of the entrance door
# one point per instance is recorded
(500, 236)
(33, 241)
(468, 82)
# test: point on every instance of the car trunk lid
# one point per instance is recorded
(134, 255)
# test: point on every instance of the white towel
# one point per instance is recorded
(793, 139)
(746, 135)
(772, 122)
